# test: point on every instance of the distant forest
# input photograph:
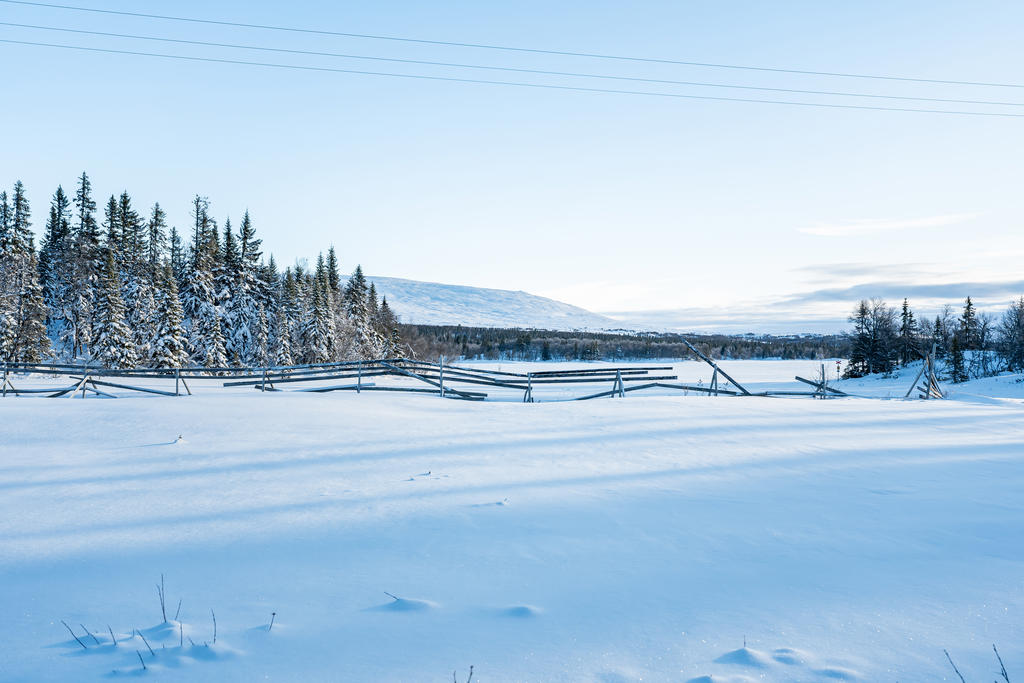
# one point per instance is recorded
(485, 343)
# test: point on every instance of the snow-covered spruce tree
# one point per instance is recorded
(356, 298)
(909, 336)
(318, 328)
(169, 345)
(957, 365)
(387, 325)
(198, 299)
(968, 327)
(1011, 336)
(259, 355)
(243, 306)
(134, 233)
(179, 262)
(55, 264)
(22, 305)
(112, 344)
(156, 241)
(87, 268)
(280, 342)
(142, 315)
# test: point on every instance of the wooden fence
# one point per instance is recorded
(444, 380)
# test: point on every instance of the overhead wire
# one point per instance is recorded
(509, 48)
(545, 86)
(545, 72)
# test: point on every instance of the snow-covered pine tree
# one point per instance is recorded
(87, 269)
(169, 345)
(244, 305)
(55, 263)
(112, 224)
(909, 334)
(280, 343)
(333, 273)
(318, 330)
(134, 232)
(1011, 336)
(357, 309)
(113, 345)
(179, 262)
(969, 327)
(957, 363)
(198, 298)
(142, 316)
(22, 305)
(387, 325)
(259, 355)
(156, 241)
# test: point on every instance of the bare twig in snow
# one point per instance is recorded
(954, 667)
(160, 594)
(112, 638)
(141, 660)
(214, 626)
(89, 633)
(84, 646)
(146, 642)
(393, 597)
(272, 616)
(181, 635)
(1002, 667)
(177, 611)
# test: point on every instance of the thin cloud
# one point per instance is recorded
(869, 225)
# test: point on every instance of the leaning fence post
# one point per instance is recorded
(528, 396)
(263, 386)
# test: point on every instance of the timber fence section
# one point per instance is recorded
(399, 375)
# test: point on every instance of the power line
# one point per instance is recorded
(544, 86)
(507, 48)
(506, 68)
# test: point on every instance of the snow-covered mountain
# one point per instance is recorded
(432, 303)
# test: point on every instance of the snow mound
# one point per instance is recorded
(405, 605)
(745, 657)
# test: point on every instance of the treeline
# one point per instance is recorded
(431, 341)
(969, 344)
(129, 292)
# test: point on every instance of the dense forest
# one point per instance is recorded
(129, 292)
(969, 345)
(518, 344)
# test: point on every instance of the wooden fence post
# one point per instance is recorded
(440, 375)
(359, 379)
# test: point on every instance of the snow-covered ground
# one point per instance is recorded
(646, 538)
(433, 303)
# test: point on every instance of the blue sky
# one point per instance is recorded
(616, 203)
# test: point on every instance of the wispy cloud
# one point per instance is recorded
(869, 225)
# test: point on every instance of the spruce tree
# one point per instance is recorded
(156, 241)
(88, 264)
(908, 339)
(56, 263)
(22, 303)
(113, 345)
(1011, 336)
(957, 363)
(969, 326)
(169, 346)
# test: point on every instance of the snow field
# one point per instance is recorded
(662, 538)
